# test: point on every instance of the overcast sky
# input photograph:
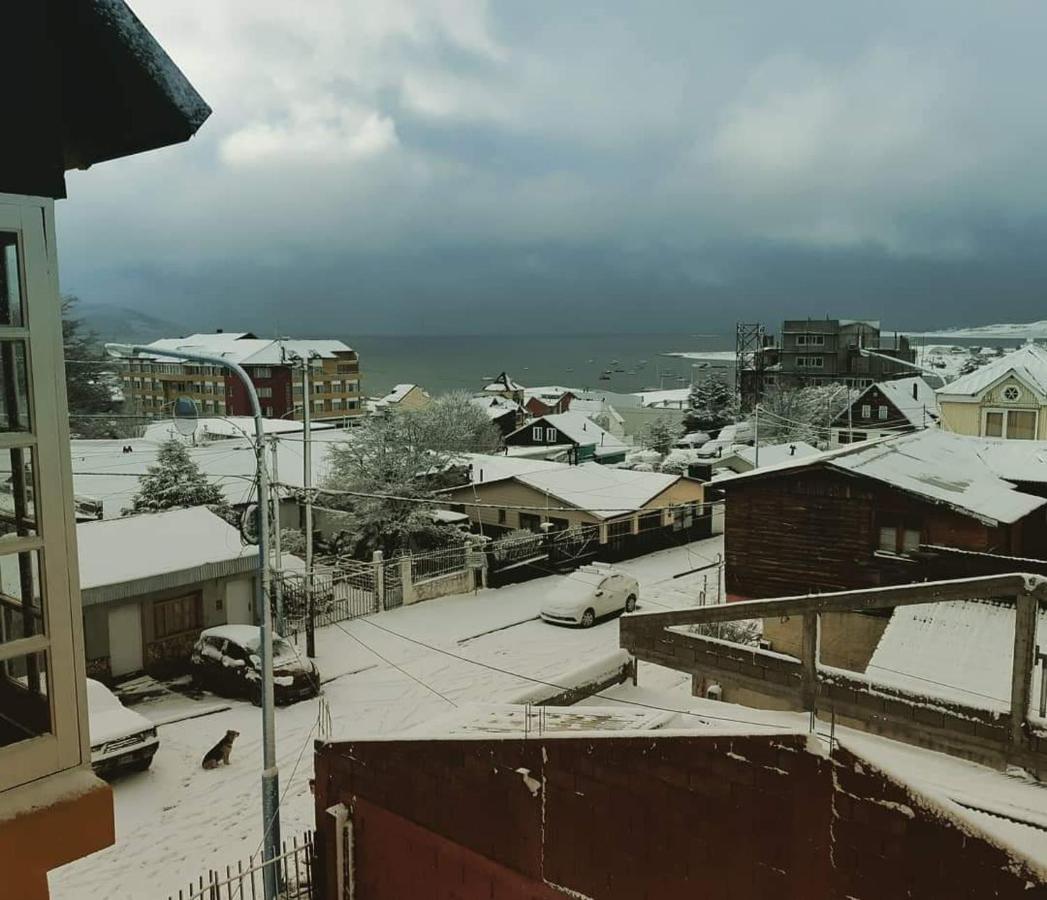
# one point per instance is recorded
(455, 165)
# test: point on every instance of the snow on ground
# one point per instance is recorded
(176, 820)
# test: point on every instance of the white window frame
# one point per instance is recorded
(536, 433)
(262, 372)
(550, 435)
(67, 746)
(882, 412)
(1004, 411)
(816, 340)
(867, 411)
(801, 340)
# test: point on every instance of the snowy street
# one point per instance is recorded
(176, 820)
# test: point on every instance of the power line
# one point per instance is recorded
(559, 687)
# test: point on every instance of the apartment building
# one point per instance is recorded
(822, 351)
(93, 85)
(152, 382)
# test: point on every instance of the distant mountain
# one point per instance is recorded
(124, 324)
(1011, 331)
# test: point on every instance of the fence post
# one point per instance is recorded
(1025, 615)
(378, 562)
(407, 580)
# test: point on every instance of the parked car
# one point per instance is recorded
(121, 739)
(730, 436)
(692, 440)
(591, 592)
(226, 660)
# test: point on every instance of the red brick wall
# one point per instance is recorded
(396, 858)
(644, 818)
(624, 818)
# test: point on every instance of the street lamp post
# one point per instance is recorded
(270, 770)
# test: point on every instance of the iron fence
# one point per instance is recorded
(437, 563)
(294, 870)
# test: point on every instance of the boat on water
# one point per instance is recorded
(605, 376)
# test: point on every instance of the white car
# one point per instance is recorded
(120, 737)
(591, 592)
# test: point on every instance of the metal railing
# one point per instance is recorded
(294, 868)
(438, 563)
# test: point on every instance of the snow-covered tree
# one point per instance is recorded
(660, 435)
(175, 481)
(801, 414)
(711, 405)
(404, 455)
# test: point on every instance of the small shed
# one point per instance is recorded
(150, 583)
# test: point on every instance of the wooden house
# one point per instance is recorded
(886, 408)
(581, 438)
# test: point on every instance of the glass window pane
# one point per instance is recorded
(888, 539)
(910, 540)
(25, 710)
(1021, 425)
(10, 281)
(17, 493)
(14, 387)
(994, 424)
(21, 607)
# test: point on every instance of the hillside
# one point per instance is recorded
(125, 324)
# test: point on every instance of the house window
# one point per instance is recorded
(816, 340)
(867, 411)
(801, 340)
(40, 618)
(1011, 394)
(815, 362)
(263, 372)
(1013, 424)
(264, 393)
(899, 539)
(558, 524)
(536, 433)
(347, 368)
(179, 615)
(882, 412)
(531, 522)
(501, 517)
(550, 435)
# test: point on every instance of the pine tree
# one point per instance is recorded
(711, 405)
(175, 481)
(660, 435)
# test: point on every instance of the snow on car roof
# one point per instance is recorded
(249, 636)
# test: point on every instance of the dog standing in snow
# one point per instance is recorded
(219, 753)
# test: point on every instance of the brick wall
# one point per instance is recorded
(644, 818)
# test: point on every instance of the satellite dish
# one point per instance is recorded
(186, 413)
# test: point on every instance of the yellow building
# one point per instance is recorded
(1006, 398)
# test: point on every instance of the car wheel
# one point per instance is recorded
(630, 603)
(141, 765)
(588, 617)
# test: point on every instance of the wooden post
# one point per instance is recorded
(1025, 614)
(809, 660)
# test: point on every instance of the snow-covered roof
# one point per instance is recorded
(495, 466)
(914, 398)
(590, 486)
(551, 392)
(958, 650)
(503, 383)
(932, 464)
(1028, 364)
(581, 430)
(244, 348)
(773, 454)
(227, 426)
(496, 406)
(396, 394)
(595, 407)
(675, 398)
(145, 546)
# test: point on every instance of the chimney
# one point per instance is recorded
(792, 449)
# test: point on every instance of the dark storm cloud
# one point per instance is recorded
(459, 166)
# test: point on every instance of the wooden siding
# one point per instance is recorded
(818, 530)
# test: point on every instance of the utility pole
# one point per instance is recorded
(278, 587)
(307, 490)
(270, 769)
(756, 436)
